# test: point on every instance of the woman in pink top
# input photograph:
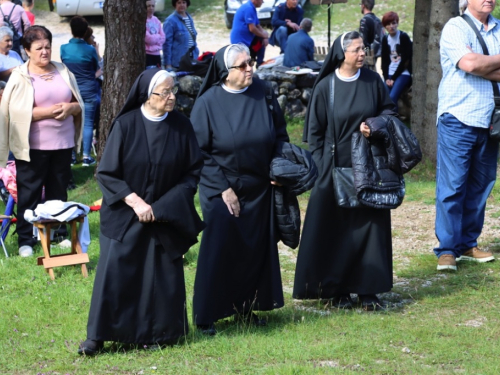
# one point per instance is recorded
(41, 136)
(155, 37)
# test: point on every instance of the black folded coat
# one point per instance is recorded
(379, 162)
(295, 170)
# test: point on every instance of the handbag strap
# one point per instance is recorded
(332, 100)
(467, 19)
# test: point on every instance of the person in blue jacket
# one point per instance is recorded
(180, 35)
(81, 59)
(300, 46)
(286, 21)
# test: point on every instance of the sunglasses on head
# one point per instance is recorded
(243, 66)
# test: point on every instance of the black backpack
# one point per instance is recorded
(7, 22)
(378, 35)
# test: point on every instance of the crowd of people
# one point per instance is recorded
(148, 214)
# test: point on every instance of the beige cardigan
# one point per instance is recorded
(16, 112)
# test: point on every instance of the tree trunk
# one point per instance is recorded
(124, 57)
(430, 18)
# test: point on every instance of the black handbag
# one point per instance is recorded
(495, 117)
(343, 179)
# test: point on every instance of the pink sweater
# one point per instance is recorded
(155, 37)
(51, 134)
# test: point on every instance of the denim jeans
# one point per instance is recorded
(466, 173)
(280, 38)
(88, 123)
(401, 83)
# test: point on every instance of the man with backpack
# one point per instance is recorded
(14, 17)
(372, 32)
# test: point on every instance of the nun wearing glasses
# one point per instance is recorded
(238, 268)
(148, 175)
(342, 250)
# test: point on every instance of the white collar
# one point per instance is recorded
(347, 79)
(153, 118)
(232, 91)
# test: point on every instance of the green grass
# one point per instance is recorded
(436, 324)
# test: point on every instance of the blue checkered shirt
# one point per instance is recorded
(467, 97)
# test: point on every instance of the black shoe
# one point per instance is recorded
(207, 329)
(253, 318)
(90, 347)
(370, 302)
(343, 301)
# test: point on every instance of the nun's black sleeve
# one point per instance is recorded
(280, 122)
(215, 182)
(179, 199)
(109, 173)
(317, 121)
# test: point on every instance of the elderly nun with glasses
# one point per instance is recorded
(238, 269)
(148, 175)
(343, 250)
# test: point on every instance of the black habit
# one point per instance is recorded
(342, 250)
(238, 266)
(139, 292)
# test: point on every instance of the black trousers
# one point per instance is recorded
(153, 60)
(51, 169)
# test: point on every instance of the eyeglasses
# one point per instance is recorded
(358, 50)
(243, 66)
(166, 93)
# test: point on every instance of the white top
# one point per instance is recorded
(153, 118)
(347, 79)
(393, 42)
(232, 91)
(10, 61)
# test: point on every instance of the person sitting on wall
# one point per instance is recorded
(286, 20)
(300, 45)
(247, 30)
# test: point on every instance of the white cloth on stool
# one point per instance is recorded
(63, 211)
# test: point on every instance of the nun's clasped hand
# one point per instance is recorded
(364, 129)
(231, 200)
(143, 210)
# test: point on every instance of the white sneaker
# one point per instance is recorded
(25, 251)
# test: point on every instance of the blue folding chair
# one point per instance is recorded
(7, 220)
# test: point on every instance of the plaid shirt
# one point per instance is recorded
(467, 97)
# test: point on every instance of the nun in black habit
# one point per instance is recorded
(343, 251)
(238, 267)
(148, 175)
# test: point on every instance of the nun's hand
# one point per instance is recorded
(143, 210)
(364, 129)
(231, 200)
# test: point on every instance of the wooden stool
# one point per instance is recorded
(73, 258)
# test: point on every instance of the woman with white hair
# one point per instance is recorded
(237, 122)
(148, 175)
(9, 59)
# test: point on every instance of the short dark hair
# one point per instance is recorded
(175, 2)
(389, 18)
(79, 26)
(88, 34)
(27, 3)
(368, 4)
(35, 33)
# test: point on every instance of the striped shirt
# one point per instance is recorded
(466, 96)
(189, 25)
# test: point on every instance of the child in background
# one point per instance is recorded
(28, 6)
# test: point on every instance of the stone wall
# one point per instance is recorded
(293, 91)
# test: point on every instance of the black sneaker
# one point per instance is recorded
(90, 347)
(88, 161)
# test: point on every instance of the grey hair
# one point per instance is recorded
(462, 5)
(233, 51)
(4, 31)
(348, 38)
(306, 24)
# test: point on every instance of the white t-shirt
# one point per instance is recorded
(10, 61)
(393, 42)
